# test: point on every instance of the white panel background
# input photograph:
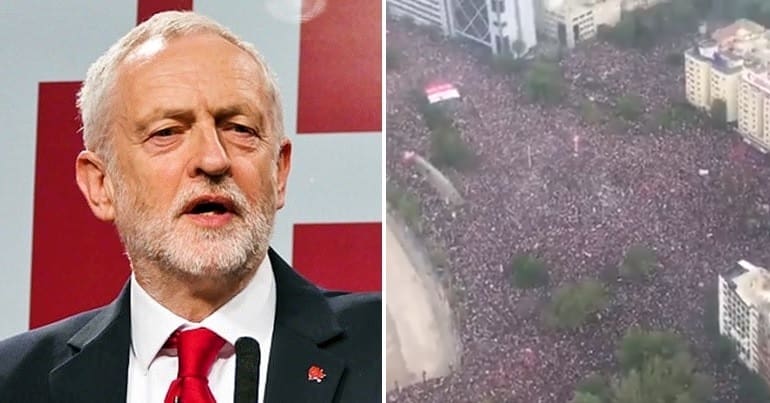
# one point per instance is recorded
(335, 178)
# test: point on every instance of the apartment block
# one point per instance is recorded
(732, 66)
(744, 306)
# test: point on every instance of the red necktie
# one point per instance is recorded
(197, 350)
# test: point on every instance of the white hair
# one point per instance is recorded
(95, 96)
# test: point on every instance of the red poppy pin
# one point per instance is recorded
(315, 373)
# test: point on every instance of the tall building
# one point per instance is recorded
(426, 12)
(572, 21)
(732, 66)
(744, 309)
(501, 25)
(754, 104)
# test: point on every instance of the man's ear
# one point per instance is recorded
(283, 166)
(95, 184)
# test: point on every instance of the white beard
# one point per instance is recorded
(178, 246)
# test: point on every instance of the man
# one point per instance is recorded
(185, 153)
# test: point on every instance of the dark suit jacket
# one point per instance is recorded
(85, 358)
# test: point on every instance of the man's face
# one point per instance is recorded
(197, 172)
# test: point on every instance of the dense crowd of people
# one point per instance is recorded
(576, 194)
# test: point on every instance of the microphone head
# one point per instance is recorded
(246, 346)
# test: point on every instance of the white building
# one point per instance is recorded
(572, 21)
(498, 24)
(427, 12)
(744, 306)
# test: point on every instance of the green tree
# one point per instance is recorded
(662, 380)
(701, 387)
(625, 31)
(544, 82)
(527, 271)
(711, 312)
(406, 204)
(756, 10)
(629, 107)
(435, 117)
(581, 397)
(724, 351)
(594, 385)
(639, 346)
(718, 113)
(448, 149)
(675, 59)
(684, 14)
(589, 111)
(506, 64)
(438, 255)
(656, 367)
(751, 387)
(639, 262)
(572, 305)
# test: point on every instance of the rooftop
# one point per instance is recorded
(743, 42)
(753, 285)
(739, 30)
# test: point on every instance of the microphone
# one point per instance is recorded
(247, 359)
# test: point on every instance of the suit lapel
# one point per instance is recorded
(300, 370)
(292, 359)
(97, 371)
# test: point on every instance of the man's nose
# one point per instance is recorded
(210, 155)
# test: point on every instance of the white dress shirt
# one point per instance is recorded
(152, 368)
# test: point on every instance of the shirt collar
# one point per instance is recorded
(250, 313)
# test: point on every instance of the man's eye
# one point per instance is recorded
(164, 132)
(242, 129)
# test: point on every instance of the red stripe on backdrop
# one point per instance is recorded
(340, 256)
(147, 8)
(77, 261)
(340, 68)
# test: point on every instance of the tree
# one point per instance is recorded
(639, 346)
(506, 64)
(595, 385)
(437, 254)
(581, 397)
(527, 271)
(751, 387)
(629, 107)
(671, 380)
(638, 263)
(702, 387)
(711, 312)
(572, 305)
(447, 148)
(624, 33)
(544, 82)
(675, 59)
(589, 111)
(656, 367)
(406, 204)
(718, 114)
(724, 351)
(683, 13)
